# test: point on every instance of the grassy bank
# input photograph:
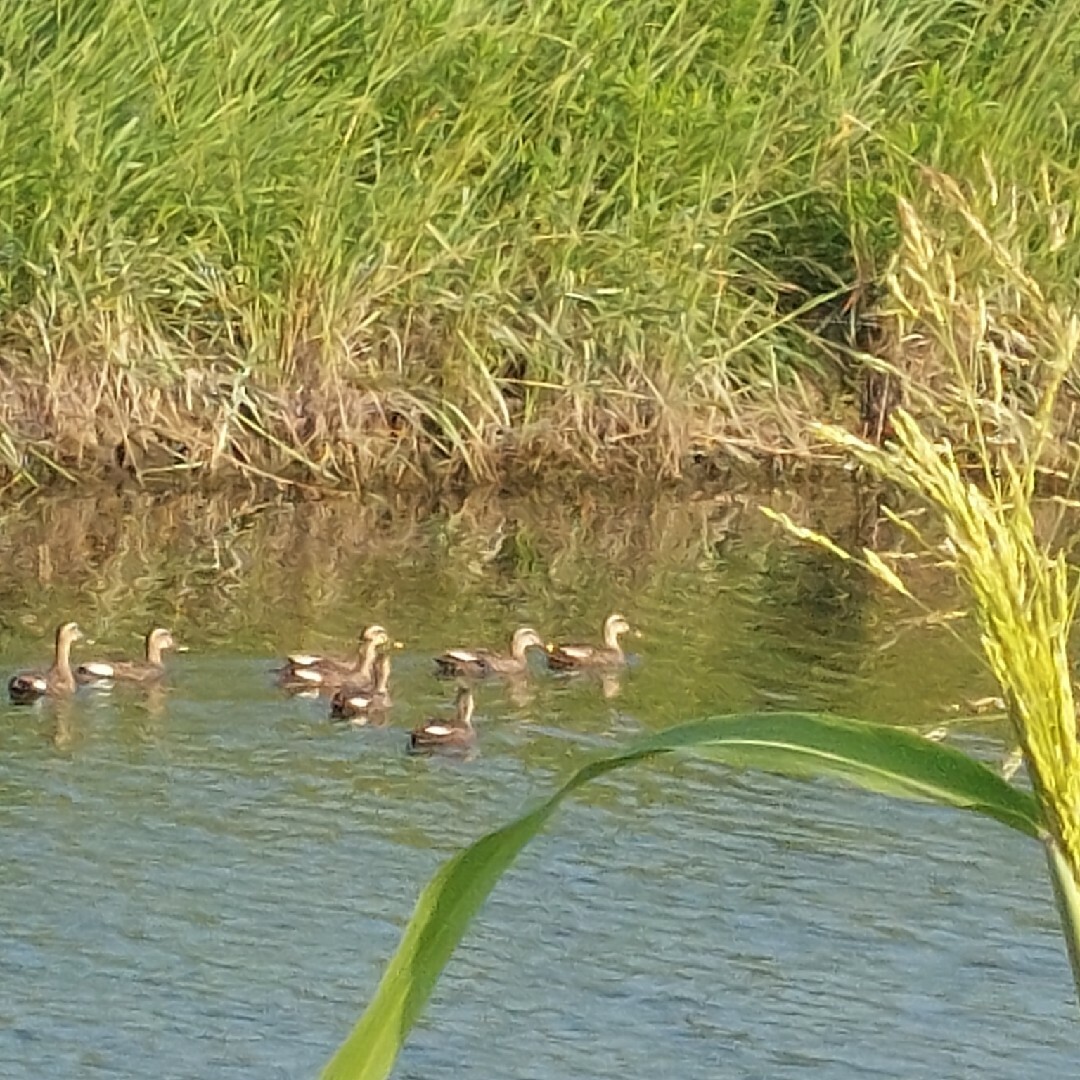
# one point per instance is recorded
(434, 239)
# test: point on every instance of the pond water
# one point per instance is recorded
(207, 881)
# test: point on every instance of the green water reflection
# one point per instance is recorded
(732, 614)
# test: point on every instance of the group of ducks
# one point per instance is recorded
(359, 686)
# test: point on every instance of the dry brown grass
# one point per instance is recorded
(90, 417)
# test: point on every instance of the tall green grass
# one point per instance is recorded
(479, 232)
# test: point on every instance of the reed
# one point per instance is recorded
(449, 240)
(1011, 562)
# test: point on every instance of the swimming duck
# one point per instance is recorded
(361, 702)
(153, 667)
(454, 735)
(577, 657)
(308, 671)
(56, 681)
(481, 662)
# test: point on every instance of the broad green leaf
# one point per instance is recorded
(883, 759)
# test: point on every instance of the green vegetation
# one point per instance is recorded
(1010, 563)
(446, 238)
(880, 758)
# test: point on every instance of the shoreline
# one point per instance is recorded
(105, 425)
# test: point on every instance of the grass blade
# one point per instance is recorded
(882, 759)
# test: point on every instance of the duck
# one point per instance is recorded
(308, 671)
(158, 641)
(481, 662)
(363, 702)
(56, 681)
(455, 735)
(580, 657)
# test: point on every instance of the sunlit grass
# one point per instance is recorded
(474, 236)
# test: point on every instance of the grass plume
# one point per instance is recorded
(1011, 564)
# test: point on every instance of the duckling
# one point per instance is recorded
(578, 657)
(453, 736)
(306, 671)
(363, 702)
(481, 662)
(56, 681)
(148, 670)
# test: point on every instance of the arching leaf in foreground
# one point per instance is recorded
(889, 760)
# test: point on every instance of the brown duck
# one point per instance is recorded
(480, 662)
(581, 657)
(363, 703)
(455, 735)
(56, 681)
(308, 671)
(158, 641)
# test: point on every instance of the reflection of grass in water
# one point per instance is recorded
(721, 603)
(134, 554)
(128, 557)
